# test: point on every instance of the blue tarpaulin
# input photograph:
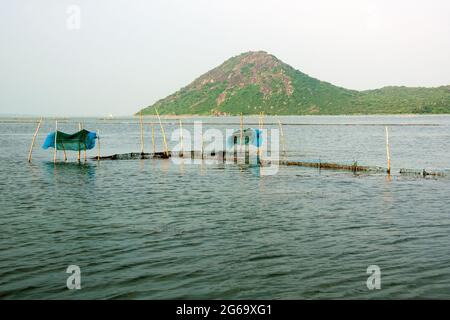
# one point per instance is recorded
(81, 140)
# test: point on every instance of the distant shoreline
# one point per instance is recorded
(187, 116)
(250, 120)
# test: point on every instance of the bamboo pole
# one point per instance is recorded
(282, 138)
(181, 138)
(85, 152)
(64, 151)
(247, 150)
(242, 131)
(166, 150)
(201, 137)
(235, 148)
(261, 126)
(153, 140)
(257, 140)
(262, 120)
(98, 138)
(259, 120)
(32, 142)
(388, 154)
(56, 134)
(142, 132)
(79, 149)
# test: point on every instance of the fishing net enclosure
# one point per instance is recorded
(81, 140)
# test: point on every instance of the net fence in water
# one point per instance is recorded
(81, 140)
(425, 172)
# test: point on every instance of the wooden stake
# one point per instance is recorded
(153, 140)
(85, 152)
(34, 138)
(181, 138)
(64, 151)
(261, 125)
(242, 132)
(235, 148)
(282, 138)
(79, 151)
(56, 134)
(247, 150)
(260, 121)
(98, 138)
(166, 150)
(142, 132)
(388, 154)
(201, 136)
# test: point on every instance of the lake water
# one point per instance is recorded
(153, 229)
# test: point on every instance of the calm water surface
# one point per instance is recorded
(152, 229)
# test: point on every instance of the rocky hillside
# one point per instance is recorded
(257, 81)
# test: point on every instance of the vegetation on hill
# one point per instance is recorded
(255, 82)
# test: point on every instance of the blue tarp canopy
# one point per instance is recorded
(81, 140)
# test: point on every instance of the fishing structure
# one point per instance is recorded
(78, 141)
(242, 141)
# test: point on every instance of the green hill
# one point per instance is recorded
(257, 81)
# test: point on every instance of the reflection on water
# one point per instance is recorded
(155, 229)
(68, 169)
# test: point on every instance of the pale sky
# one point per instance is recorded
(128, 54)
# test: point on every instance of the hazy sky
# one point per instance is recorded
(128, 54)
